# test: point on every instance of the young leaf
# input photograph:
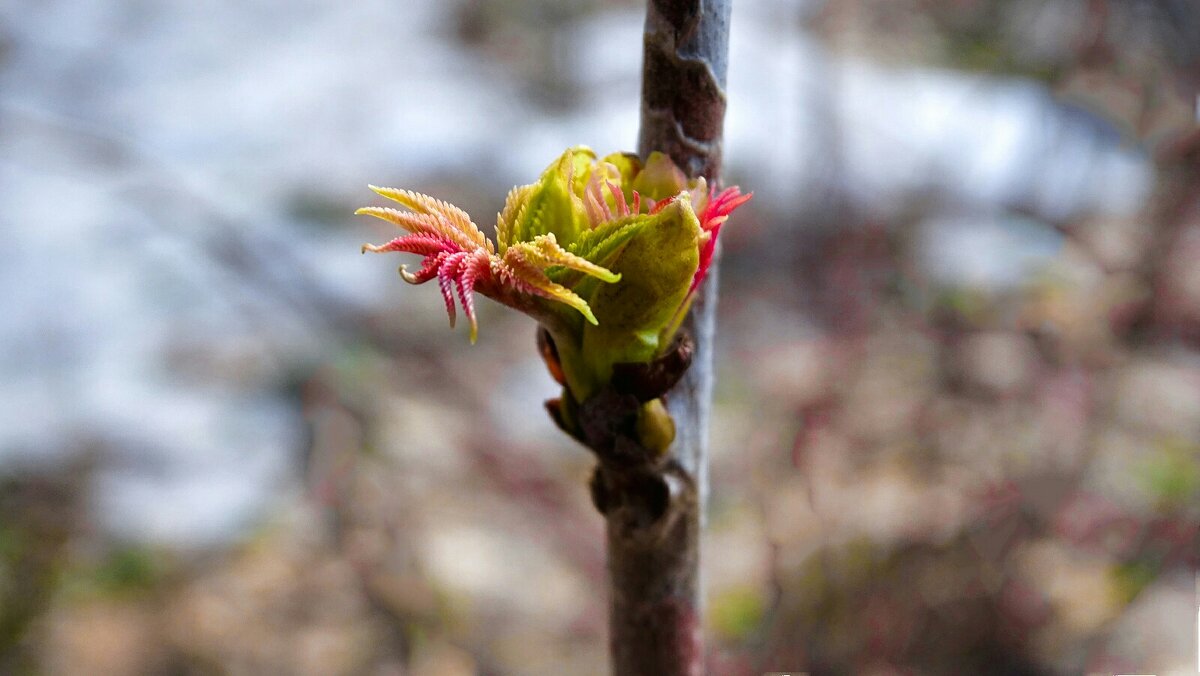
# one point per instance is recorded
(656, 267)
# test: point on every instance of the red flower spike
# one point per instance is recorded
(715, 213)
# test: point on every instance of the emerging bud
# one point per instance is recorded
(605, 254)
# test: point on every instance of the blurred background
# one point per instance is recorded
(957, 422)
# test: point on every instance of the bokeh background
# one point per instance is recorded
(957, 422)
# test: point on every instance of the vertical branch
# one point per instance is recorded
(654, 518)
(683, 115)
(686, 47)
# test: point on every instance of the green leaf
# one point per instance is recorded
(656, 266)
(737, 612)
(627, 163)
(583, 160)
(599, 245)
(514, 207)
(660, 178)
(552, 206)
(629, 166)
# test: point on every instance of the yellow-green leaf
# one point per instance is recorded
(656, 268)
(660, 178)
(552, 205)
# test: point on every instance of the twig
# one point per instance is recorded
(654, 509)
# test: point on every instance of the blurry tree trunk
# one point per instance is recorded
(654, 549)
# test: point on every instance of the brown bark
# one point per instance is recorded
(654, 506)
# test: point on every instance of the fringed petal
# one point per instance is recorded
(426, 224)
(445, 284)
(657, 206)
(431, 205)
(447, 275)
(544, 252)
(429, 269)
(447, 218)
(597, 210)
(422, 245)
(534, 281)
(514, 207)
(715, 213)
(719, 207)
(619, 198)
(468, 273)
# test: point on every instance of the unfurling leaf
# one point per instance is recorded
(605, 254)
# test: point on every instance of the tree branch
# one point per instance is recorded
(654, 506)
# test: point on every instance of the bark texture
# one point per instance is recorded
(654, 505)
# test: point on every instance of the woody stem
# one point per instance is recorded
(654, 511)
